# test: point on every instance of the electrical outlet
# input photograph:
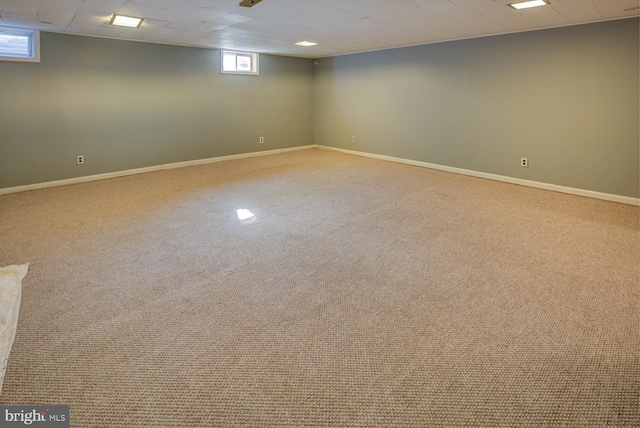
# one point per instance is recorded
(353, 139)
(80, 159)
(261, 140)
(524, 162)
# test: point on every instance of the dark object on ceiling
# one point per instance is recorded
(249, 3)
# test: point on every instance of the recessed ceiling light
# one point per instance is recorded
(126, 21)
(305, 43)
(528, 4)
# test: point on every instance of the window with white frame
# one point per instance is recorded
(19, 44)
(234, 62)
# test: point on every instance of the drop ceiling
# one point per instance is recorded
(273, 26)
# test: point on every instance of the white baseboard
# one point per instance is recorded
(144, 170)
(553, 187)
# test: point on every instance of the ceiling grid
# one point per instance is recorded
(274, 26)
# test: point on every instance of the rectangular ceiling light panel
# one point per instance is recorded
(528, 4)
(126, 21)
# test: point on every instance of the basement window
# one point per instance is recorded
(240, 62)
(19, 45)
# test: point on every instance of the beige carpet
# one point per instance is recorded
(364, 294)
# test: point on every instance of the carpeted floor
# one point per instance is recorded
(362, 294)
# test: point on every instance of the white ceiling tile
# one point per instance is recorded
(19, 18)
(577, 10)
(544, 16)
(113, 4)
(132, 9)
(58, 11)
(207, 27)
(155, 4)
(617, 8)
(20, 6)
(180, 10)
(89, 21)
(502, 17)
(184, 24)
(467, 16)
(236, 17)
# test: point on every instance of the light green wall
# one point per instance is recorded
(126, 105)
(566, 98)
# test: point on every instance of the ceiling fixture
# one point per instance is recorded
(249, 3)
(306, 44)
(528, 4)
(126, 21)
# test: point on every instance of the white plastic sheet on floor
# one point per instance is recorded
(10, 290)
